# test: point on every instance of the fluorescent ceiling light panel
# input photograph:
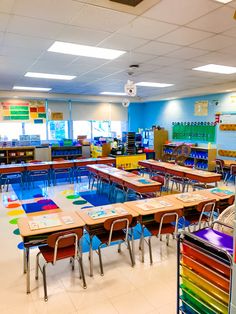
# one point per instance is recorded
(224, 1)
(38, 89)
(152, 84)
(50, 76)
(85, 51)
(216, 68)
(113, 93)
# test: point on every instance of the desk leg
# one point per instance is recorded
(142, 243)
(24, 262)
(27, 265)
(132, 244)
(216, 184)
(91, 255)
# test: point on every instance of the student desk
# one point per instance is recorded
(129, 180)
(228, 163)
(39, 236)
(192, 174)
(149, 207)
(95, 217)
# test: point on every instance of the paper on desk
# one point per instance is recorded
(102, 212)
(44, 221)
(151, 205)
(188, 198)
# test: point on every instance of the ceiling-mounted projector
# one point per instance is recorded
(130, 89)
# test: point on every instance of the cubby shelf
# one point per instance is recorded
(200, 157)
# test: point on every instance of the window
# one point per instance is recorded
(82, 128)
(101, 129)
(117, 127)
(57, 130)
(11, 130)
(36, 129)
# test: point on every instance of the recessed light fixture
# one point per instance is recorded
(39, 89)
(113, 93)
(216, 68)
(152, 84)
(50, 76)
(85, 51)
(224, 1)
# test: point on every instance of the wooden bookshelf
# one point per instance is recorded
(9, 155)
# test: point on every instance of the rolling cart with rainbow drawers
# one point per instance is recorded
(204, 272)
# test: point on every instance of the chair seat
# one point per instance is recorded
(155, 227)
(48, 252)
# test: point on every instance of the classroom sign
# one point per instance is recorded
(22, 111)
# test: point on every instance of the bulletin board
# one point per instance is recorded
(22, 111)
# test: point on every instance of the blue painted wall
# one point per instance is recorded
(163, 113)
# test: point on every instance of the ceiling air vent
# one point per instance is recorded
(132, 3)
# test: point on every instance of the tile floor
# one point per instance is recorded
(143, 289)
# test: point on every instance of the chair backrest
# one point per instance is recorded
(231, 200)
(219, 166)
(136, 172)
(233, 169)
(159, 179)
(64, 239)
(167, 217)
(35, 161)
(206, 206)
(116, 224)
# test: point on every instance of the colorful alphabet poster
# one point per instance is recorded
(23, 111)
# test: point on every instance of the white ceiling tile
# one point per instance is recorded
(187, 53)
(230, 32)
(180, 11)
(146, 28)
(162, 61)
(98, 18)
(122, 42)
(20, 52)
(214, 43)
(16, 40)
(232, 4)
(133, 58)
(157, 48)
(217, 21)
(33, 27)
(83, 36)
(61, 11)
(184, 36)
(4, 18)
(6, 6)
(217, 58)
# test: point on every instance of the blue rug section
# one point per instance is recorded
(25, 194)
(95, 199)
(38, 206)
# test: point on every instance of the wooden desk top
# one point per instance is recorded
(154, 205)
(25, 230)
(216, 193)
(186, 170)
(86, 214)
(228, 163)
(188, 198)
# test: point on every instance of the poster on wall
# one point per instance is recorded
(57, 116)
(201, 108)
(22, 111)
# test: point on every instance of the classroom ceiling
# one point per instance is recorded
(166, 38)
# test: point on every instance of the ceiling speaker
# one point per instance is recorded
(132, 3)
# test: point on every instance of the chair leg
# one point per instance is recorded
(130, 253)
(150, 249)
(142, 244)
(100, 261)
(167, 239)
(119, 247)
(37, 267)
(82, 272)
(45, 283)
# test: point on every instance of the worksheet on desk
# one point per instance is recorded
(44, 221)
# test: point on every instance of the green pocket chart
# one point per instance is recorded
(192, 132)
